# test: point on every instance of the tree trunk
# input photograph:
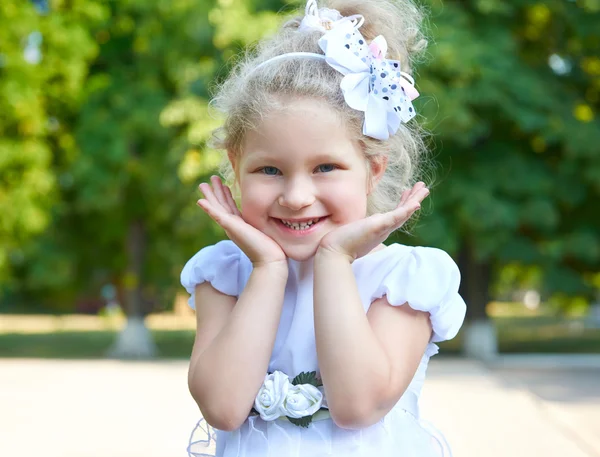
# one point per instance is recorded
(479, 333)
(135, 340)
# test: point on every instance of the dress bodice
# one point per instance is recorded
(425, 279)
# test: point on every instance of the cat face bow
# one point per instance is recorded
(371, 83)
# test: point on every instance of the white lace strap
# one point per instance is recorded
(202, 437)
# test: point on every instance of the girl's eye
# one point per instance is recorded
(326, 168)
(271, 171)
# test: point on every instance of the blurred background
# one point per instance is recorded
(104, 123)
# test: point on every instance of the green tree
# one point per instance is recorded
(43, 66)
(515, 95)
(511, 93)
(142, 133)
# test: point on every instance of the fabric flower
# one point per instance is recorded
(371, 83)
(272, 395)
(322, 21)
(302, 400)
(324, 403)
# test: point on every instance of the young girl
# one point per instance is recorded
(313, 337)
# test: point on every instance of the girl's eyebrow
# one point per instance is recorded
(261, 157)
(329, 157)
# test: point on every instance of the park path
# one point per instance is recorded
(60, 408)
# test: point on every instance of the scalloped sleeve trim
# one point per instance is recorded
(427, 280)
(220, 265)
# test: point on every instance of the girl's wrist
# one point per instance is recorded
(276, 268)
(327, 254)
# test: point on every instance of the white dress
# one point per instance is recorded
(425, 278)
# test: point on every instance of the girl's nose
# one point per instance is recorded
(297, 196)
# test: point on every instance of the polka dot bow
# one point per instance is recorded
(372, 83)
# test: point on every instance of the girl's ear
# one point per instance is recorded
(232, 160)
(377, 165)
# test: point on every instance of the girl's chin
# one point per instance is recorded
(300, 253)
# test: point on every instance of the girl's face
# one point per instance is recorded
(301, 176)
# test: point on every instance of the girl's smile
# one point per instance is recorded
(301, 227)
(301, 175)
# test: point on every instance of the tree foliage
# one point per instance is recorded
(104, 138)
(515, 94)
(43, 68)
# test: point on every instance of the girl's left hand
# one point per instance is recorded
(358, 238)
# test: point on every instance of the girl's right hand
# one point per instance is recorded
(218, 203)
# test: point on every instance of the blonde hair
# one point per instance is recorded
(250, 94)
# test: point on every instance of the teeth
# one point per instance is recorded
(300, 225)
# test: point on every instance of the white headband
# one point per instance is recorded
(371, 83)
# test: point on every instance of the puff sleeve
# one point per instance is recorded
(427, 279)
(221, 264)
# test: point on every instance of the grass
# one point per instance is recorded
(171, 344)
(538, 335)
(516, 335)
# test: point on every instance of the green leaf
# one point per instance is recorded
(307, 378)
(302, 422)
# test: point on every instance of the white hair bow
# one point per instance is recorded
(372, 83)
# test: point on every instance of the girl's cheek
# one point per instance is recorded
(346, 189)
(256, 194)
(346, 200)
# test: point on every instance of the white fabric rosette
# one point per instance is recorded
(322, 20)
(324, 402)
(279, 397)
(271, 395)
(302, 400)
(371, 83)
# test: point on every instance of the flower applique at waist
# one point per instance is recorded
(300, 401)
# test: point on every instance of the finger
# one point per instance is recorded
(377, 225)
(411, 207)
(217, 186)
(216, 212)
(416, 196)
(208, 193)
(210, 196)
(208, 207)
(205, 205)
(211, 205)
(408, 194)
(231, 202)
(404, 212)
(225, 196)
(399, 216)
(404, 197)
(416, 189)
